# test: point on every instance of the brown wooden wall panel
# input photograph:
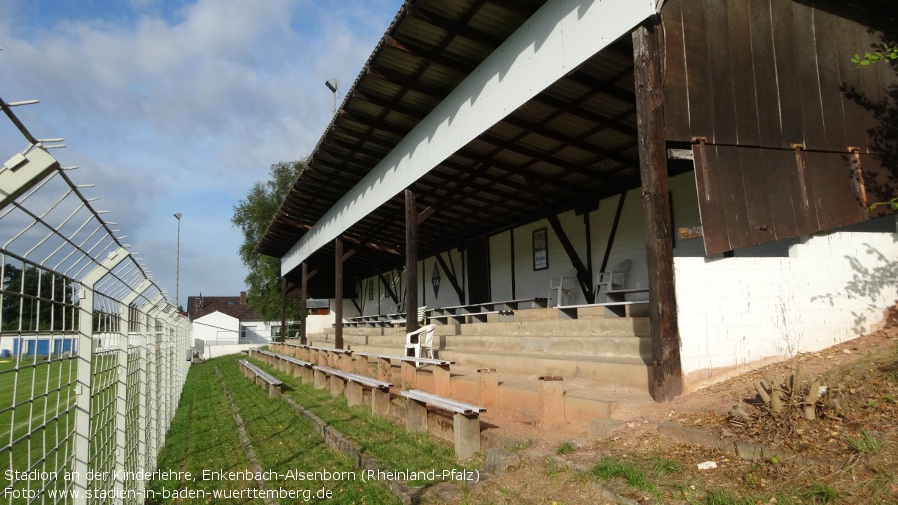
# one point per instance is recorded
(676, 118)
(719, 92)
(782, 191)
(709, 199)
(743, 73)
(770, 87)
(698, 81)
(741, 207)
(765, 75)
(760, 219)
(788, 91)
(770, 73)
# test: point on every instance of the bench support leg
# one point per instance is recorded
(274, 391)
(346, 362)
(466, 431)
(307, 374)
(380, 402)
(415, 416)
(488, 380)
(353, 394)
(409, 375)
(338, 385)
(551, 400)
(320, 380)
(384, 370)
(442, 380)
(361, 364)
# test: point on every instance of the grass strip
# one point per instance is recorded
(394, 448)
(200, 437)
(287, 444)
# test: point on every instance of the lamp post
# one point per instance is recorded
(177, 260)
(333, 84)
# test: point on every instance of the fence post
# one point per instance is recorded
(83, 388)
(123, 441)
(152, 380)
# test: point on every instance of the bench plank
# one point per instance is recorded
(361, 379)
(442, 402)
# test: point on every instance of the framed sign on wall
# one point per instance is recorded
(540, 250)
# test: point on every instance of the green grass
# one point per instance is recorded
(609, 468)
(566, 447)
(204, 437)
(393, 447)
(866, 443)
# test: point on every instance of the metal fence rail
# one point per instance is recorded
(92, 356)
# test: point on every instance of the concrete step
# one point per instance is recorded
(584, 399)
(638, 326)
(633, 371)
(628, 371)
(605, 345)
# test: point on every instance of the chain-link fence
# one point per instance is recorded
(92, 356)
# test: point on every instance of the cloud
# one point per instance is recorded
(172, 106)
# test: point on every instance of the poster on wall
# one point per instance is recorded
(540, 250)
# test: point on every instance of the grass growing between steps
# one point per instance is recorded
(393, 447)
(204, 436)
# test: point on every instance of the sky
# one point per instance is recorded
(178, 106)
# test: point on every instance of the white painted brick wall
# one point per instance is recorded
(735, 311)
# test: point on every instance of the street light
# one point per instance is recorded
(177, 260)
(333, 84)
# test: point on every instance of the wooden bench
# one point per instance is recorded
(465, 419)
(409, 373)
(616, 304)
(352, 385)
(297, 367)
(261, 377)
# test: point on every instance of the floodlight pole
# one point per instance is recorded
(177, 262)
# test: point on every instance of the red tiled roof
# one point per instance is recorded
(234, 306)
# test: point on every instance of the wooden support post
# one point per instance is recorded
(411, 262)
(283, 334)
(338, 294)
(304, 293)
(656, 204)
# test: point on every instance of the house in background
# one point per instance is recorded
(224, 322)
(229, 324)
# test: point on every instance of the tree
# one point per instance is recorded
(36, 300)
(252, 216)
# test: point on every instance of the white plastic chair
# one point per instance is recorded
(562, 286)
(419, 343)
(616, 278)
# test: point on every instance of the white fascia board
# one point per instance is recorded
(554, 41)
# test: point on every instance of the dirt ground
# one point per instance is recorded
(847, 454)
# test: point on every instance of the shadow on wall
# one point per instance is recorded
(877, 283)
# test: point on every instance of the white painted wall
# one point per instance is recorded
(445, 296)
(216, 327)
(317, 323)
(738, 311)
